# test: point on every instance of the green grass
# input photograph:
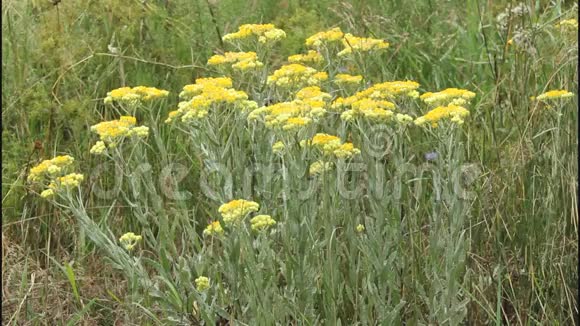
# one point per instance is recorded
(507, 256)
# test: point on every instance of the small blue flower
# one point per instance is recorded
(431, 156)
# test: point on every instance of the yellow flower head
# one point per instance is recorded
(135, 95)
(347, 79)
(312, 92)
(570, 24)
(319, 167)
(346, 151)
(310, 57)
(262, 222)
(296, 123)
(202, 283)
(236, 210)
(324, 37)
(296, 75)
(49, 167)
(239, 60)
(71, 180)
(448, 96)
(554, 95)
(112, 131)
(361, 44)
(453, 112)
(129, 240)
(265, 33)
(214, 228)
(360, 228)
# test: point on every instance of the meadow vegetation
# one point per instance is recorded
(289, 162)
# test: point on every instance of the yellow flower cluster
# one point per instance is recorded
(554, 95)
(207, 93)
(264, 32)
(568, 24)
(192, 90)
(214, 228)
(347, 79)
(312, 93)
(455, 112)
(69, 181)
(360, 228)
(374, 110)
(331, 146)
(239, 60)
(236, 210)
(321, 38)
(111, 132)
(454, 96)
(296, 75)
(319, 167)
(290, 115)
(98, 148)
(50, 167)
(135, 95)
(202, 283)
(381, 91)
(361, 44)
(310, 57)
(129, 240)
(262, 222)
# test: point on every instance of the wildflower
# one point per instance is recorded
(404, 118)
(239, 60)
(264, 32)
(554, 95)
(321, 38)
(347, 79)
(171, 115)
(360, 228)
(47, 193)
(448, 96)
(52, 166)
(295, 123)
(312, 92)
(361, 44)
(262, 222)
(331, 146)
(98, 148)
(431, 156)
(202, 283)
(278, 114)
(236, 210)
(297, 75)
(71, 180)
(346, 150)
(207, 93)
(141, 131)
(113, 131)
(129, 240)
(319, 167)
(375, 110)
(310, 57)
(214, 228)
(568, 24)
(201, 83)
(278, 148)
(456, 113)
(135, 94)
